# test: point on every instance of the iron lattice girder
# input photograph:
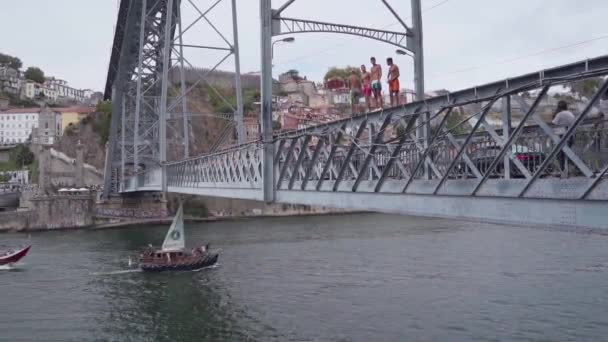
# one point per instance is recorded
(334, 157)
(291, 25)
(333, 165)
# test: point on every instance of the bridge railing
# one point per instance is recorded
(239, 167)
(492, 140)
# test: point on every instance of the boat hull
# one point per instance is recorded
(207, 260)
(14, 257)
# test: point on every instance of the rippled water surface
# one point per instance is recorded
(330, 278)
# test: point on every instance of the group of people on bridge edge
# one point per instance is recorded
(369, 85)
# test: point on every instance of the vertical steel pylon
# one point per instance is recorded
(274, 24)
(147, 82)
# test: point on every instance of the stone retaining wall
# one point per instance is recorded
(51, 212)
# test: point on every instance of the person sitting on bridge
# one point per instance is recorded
(563, 119)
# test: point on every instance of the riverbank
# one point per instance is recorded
(167, 221)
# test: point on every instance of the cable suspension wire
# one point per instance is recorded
(516, 58)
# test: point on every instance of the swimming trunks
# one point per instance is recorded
(367, 91)
(393, 86)
(376, 86)
(355, 96)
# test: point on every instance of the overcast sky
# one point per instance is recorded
(467, 42)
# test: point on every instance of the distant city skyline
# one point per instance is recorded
(467, 42)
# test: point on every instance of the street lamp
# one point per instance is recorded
(403, 53)
(284, 40)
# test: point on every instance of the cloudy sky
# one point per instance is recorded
(467, 42)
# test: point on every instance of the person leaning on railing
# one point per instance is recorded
(563, 119)
(602, 123)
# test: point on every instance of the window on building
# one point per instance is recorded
(46, 125)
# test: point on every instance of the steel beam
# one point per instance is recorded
(162, 119)
(238, 115)
(292, 26)
(266, 110)
(565, 138)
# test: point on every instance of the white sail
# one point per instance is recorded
(175, 239)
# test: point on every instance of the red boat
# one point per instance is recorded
(11, 256)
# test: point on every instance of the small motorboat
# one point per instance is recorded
(10, 256)
(173, 255)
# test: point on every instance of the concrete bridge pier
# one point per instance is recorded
(141, 206)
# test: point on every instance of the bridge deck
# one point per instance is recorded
(384, 161)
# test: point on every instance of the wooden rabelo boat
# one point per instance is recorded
(173, 255)
(10, 256)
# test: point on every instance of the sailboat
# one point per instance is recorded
(173, 255)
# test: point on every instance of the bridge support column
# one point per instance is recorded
(79, 171)
(162, 119)
(506, 132)
(240, 128)
(424, 128)
(266, 110)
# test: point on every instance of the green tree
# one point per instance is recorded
(343, 73)
(35, 74)
(5, 177)
(585, 88)
(455, 118)
(21, 156)
(10, 61)
(104, 108)
(276, 125)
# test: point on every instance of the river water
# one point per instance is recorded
(364, 277)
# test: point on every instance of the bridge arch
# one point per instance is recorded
(295, 26)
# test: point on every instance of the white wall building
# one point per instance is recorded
(18, 176)
(16, 124)
(66, 92)
(28, 89)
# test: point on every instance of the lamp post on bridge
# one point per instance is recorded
(272, 24)
(284, 40)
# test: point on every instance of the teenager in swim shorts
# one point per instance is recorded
(366, 79)
(376, 76)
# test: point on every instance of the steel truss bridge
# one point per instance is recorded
(484, 153)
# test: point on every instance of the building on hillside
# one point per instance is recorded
(49, 127)
(252, 128)
(48, 92)
(335, 83)
(27, 89)
(10, 81)
(65, 92)
(17, 176)
(292, 84)
(95, 98)
(16, 124)
(4, 102)
(73, 115)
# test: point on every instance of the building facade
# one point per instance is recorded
(49, 127)
(10, 81)
(73, 115)
(16, 125)
(65, 92)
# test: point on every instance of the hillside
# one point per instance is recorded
(205, 130)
